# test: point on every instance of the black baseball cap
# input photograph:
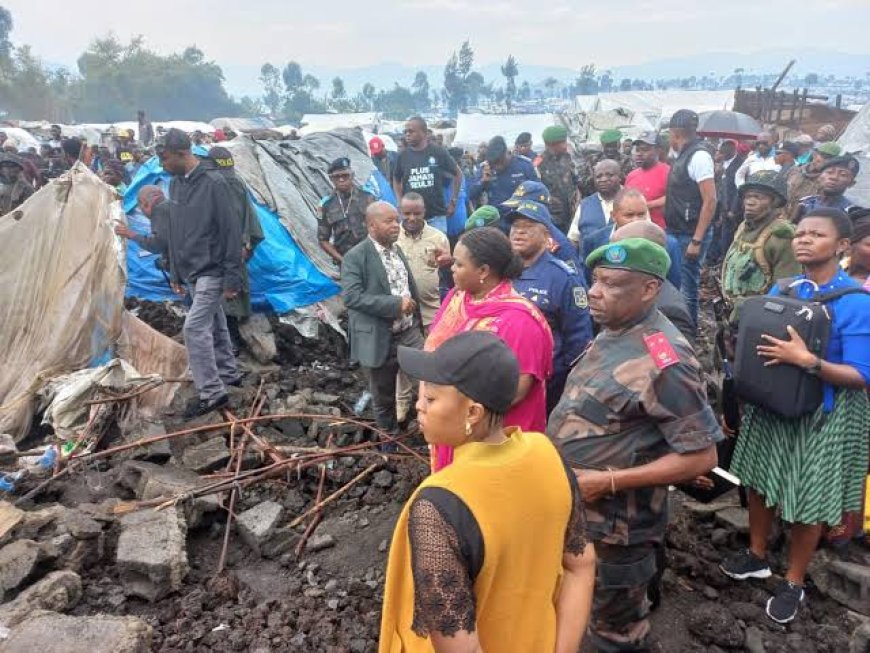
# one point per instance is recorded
(477, 363)
(342, 163)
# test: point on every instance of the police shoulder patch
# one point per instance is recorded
(580, 298)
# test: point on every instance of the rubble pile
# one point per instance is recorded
(266, 528)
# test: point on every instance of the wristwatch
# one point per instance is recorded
(695, 241)
(815, 368)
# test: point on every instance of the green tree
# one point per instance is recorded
(270, 78)
(368, 95)
(292, 77)
(397, 104)
(551, 83)
(605, 82)
(456, 78)
(250, 107)
(525, 92)
(311, 83)
(6, 25)
(475, 84)
(587, 82)
(338, 92)
(421, 92)
(510, 70)
(811, 79)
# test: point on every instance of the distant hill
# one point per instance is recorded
(243, 80)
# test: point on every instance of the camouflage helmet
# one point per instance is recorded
(767, 181)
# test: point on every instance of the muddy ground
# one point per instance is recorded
(328, 600)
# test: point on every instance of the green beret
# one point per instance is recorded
(482, 217)
(611, 136)
(829, 149)
(555, 134)
(638, 254)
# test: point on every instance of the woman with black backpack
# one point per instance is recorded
(811, 468)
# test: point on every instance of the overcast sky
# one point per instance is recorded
(239, 34)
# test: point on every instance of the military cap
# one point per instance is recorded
(342, 163)
(532, 211)
(829, 149)
(849, 162)
(528, 190)
(792, 148)
(555, 134)
(10, 159)
(684, 119)
(611, 136)
(222, 157)
(483, 217)
(636, 254)
(767, 181)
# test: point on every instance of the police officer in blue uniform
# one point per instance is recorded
(555, 289)
(562, 247)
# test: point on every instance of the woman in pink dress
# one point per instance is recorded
(484, 300)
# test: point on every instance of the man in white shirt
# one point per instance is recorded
(763, 158)
(690, 201)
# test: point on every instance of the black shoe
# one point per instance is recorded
(199, 407)
(745, 565)
(783, 606)
(236, 383)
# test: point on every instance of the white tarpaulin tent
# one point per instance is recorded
(657, 106)
(856, 138)
(475, 128)
(324, 122)
(22, 137)
(62, 285)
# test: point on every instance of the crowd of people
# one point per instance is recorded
(116, 159)
(569, 306)
(550, 343)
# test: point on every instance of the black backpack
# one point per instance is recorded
(783, 389)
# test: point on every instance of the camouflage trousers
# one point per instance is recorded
(620, 606)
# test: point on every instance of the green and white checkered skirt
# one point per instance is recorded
(811, 468)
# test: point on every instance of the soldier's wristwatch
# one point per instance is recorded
(815, 368)
(697, 242)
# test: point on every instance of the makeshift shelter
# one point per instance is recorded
(324, 122)
(22, 137)
(475, 128)
(856, 140)
(62, 310)
(656, 106)
(286, 181)
(243, 125)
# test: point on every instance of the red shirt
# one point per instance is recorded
(653, 184)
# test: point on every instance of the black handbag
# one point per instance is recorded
(786, 390)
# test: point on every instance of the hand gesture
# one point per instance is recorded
(791, 352)
(408, 306)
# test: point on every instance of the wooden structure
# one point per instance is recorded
(798, 110)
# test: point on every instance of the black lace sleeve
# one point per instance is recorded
(443, 573)
(575, 533)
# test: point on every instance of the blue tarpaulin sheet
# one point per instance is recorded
(281, 276)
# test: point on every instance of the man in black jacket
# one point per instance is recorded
(381, 297)
(205, 258)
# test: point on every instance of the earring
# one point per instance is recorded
(467, 430)
(481, 282)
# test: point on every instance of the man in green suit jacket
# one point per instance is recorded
(383, 308)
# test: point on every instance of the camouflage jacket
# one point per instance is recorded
(560, 177)
(760, 254)
(344, 219)
(586, 169)
(622, 409)
(800, 183)
(13, 195)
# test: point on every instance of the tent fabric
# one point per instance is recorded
(63, 285)
(856, 138)
(656, 106)
(324, 122)
(475, 128)
(281, 276)
(243, 125)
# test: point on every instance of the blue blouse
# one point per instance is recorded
(849, 342)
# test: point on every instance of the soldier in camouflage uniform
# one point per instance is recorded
(610, 144)
(761, 251)
(633, 419)
(559, 176)
(342, 220)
